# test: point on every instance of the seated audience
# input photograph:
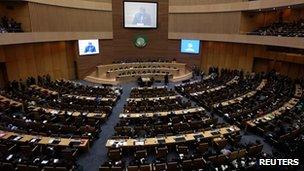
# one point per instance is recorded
(285, 29)
(9, 25)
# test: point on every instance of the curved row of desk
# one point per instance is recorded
(240, 98)
(196, 136)
(44, 140)
(276, 113)
(162, 114)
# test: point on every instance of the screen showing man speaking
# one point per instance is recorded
(88, 47)
(140, 15)
(190, 46)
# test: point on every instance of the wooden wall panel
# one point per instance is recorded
(104, 5)
(109, 1)
(260, 65)
(54, 18)
(2, 55)
(240, 56)
(233, 7)
(174, 52)
(40, 37)
(293, 42)
(87, 64)
(293, 70)
(205, 23)
(200, 2)
(123, 38)
(293, 14)
(71, 56)
(58, 59)
(252, 20)
(38, 59)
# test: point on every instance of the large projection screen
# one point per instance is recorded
(140, 14)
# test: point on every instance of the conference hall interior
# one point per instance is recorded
(151, 85)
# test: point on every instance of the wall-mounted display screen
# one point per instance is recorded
(190, 46)
(88, 47)
(140, 14)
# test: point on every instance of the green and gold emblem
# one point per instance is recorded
(140, 41)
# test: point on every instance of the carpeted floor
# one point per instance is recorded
(97, 154)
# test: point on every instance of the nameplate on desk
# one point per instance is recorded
(54, 112)
(230, 129)
(161, 141)
(118, 143)
(198, 136)
(180, 139)
(215, 132)
(17, 138)
(54, 141)
(156, 114)
(35, 140)
(14, 138)
(75, 142)
(44, 162)
(141, 142)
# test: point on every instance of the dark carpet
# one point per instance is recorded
(97, 154)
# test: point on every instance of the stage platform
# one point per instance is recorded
(115, 74)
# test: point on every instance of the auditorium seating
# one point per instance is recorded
(42, 127)
(151, 85)
(148, 138)
(157, 105)
(219, 151)
(283, 124)
(214, 80)
(276, 92)
(69, 87)
(36, 134)
(54, 100)
(285, 29)
(146, 92)
(217, 95)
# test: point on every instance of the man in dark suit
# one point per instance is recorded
(142, 18)
(166, 79)
(90, 48)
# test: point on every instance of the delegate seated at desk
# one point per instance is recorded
(90, 48)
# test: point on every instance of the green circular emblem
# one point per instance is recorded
(140, 41)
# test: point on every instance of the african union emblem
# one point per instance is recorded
(140, 41)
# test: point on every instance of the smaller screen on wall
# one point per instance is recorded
(88, 47)
(190, 46)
